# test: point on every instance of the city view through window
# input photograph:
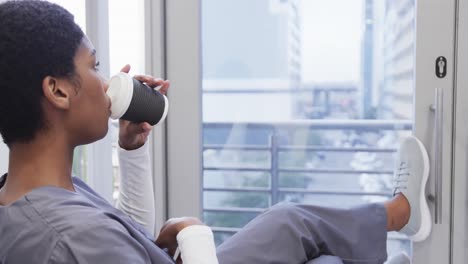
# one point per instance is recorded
(303, 101)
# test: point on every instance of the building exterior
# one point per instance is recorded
(264, 66)
(388, 59)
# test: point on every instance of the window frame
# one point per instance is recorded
(99, 158)
(184, 128)
(184, 123)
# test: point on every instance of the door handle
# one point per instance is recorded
(438, 110)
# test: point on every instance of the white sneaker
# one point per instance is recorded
(410, 179)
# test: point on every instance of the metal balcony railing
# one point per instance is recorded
(274, 148)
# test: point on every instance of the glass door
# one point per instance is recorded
(305, 101)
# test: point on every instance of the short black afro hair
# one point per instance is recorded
(37, 39)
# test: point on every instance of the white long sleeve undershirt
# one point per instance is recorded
(136, 199)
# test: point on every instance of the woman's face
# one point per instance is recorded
(89, 106)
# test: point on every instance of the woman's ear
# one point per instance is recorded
(56, 92)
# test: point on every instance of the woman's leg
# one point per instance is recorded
(290, 234)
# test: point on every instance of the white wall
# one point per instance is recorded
(3, 158)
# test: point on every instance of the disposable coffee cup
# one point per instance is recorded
(135, 101)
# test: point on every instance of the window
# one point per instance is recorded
(303, 102)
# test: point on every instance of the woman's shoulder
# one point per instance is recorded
(63, 210)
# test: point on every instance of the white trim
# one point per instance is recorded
(184, 122)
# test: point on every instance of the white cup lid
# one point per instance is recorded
(120, 92)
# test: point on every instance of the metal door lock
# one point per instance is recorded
(441, 67)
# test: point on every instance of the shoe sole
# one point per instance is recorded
(426, 221)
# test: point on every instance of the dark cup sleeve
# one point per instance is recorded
(147, 105)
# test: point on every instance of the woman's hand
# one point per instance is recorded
(132, 135)
(168, 236)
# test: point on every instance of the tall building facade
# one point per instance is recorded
(388, 59)
(251, 54)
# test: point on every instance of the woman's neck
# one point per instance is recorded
(46, 161)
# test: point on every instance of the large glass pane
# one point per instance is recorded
(126, 46)
(303, 101)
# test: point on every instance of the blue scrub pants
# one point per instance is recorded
(298, 234)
